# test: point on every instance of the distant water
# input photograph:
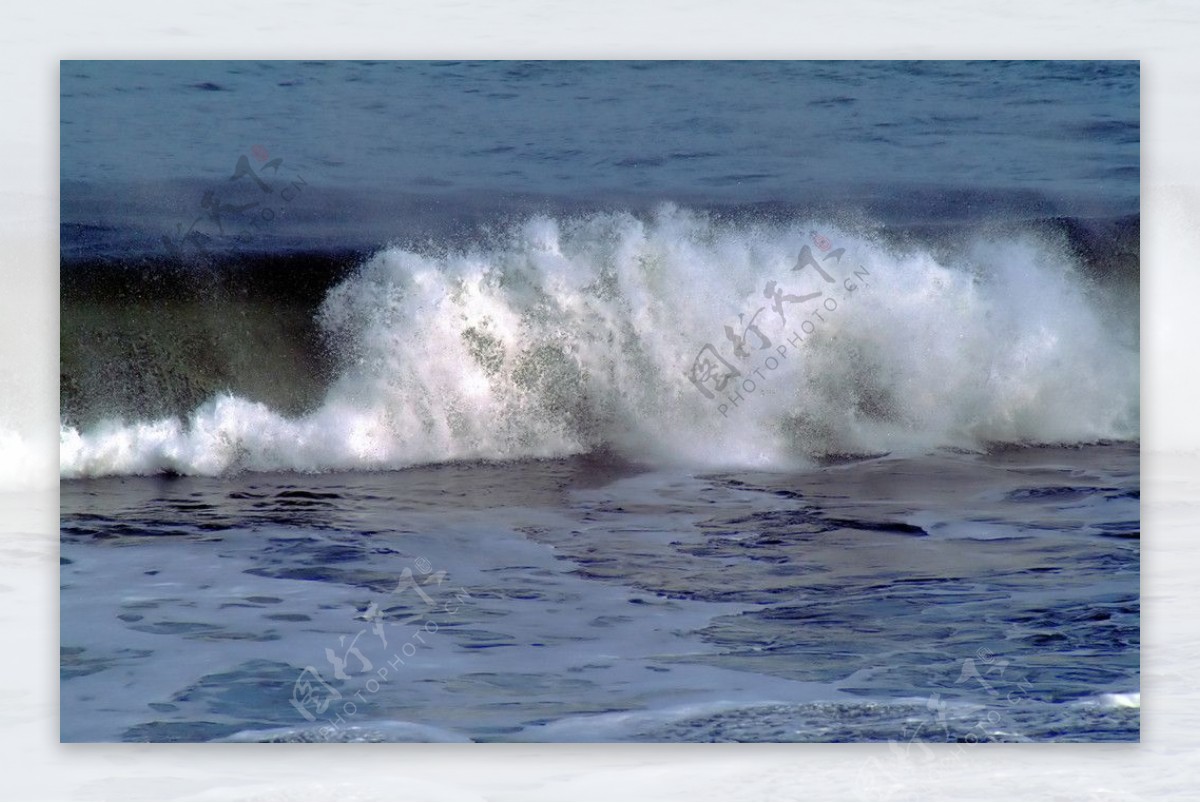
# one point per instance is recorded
(741, 400)
(398, 149)
(744, 131)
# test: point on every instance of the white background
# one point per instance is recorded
(35, 34)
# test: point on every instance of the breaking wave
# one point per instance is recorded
(675, 338)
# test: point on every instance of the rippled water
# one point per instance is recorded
(384, 151)
(718, 129)
(956, 597)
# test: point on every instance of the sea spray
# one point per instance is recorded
(566, 335)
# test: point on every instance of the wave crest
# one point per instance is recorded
(678, 338)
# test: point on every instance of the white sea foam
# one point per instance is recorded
(1120, 700)
(567, 335)
(377, 731)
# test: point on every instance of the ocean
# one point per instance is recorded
(600, 401)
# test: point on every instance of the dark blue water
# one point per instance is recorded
(953, 598)
(143, 141)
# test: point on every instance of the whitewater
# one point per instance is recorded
(678, 337)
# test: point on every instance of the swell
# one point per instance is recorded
(562, 335)
(150, 338)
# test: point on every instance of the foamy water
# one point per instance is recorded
(567, 335)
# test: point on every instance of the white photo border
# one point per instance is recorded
(35, 36)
